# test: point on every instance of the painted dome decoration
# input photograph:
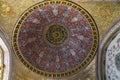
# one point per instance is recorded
(109, 55)
(5, 58)
(55, 38)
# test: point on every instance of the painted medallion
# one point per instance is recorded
(55, 38)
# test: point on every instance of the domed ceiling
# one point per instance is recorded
(55, 38)
(109, 56)
(103, 12)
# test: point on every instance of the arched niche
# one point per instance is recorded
(108, 59)
(5, 57)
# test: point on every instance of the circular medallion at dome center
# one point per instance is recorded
(55, 38)
(55, 35)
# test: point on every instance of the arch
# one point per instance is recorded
(5, 57)
(109, 40)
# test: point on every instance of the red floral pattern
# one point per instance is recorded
(55, 59)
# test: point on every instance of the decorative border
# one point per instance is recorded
(101, 57)
(86, 61)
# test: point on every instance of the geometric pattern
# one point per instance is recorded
(55, 38)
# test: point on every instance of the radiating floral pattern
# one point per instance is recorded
(49, 58)
(55, 38)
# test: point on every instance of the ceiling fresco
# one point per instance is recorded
(104, 14)
(64, 35)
